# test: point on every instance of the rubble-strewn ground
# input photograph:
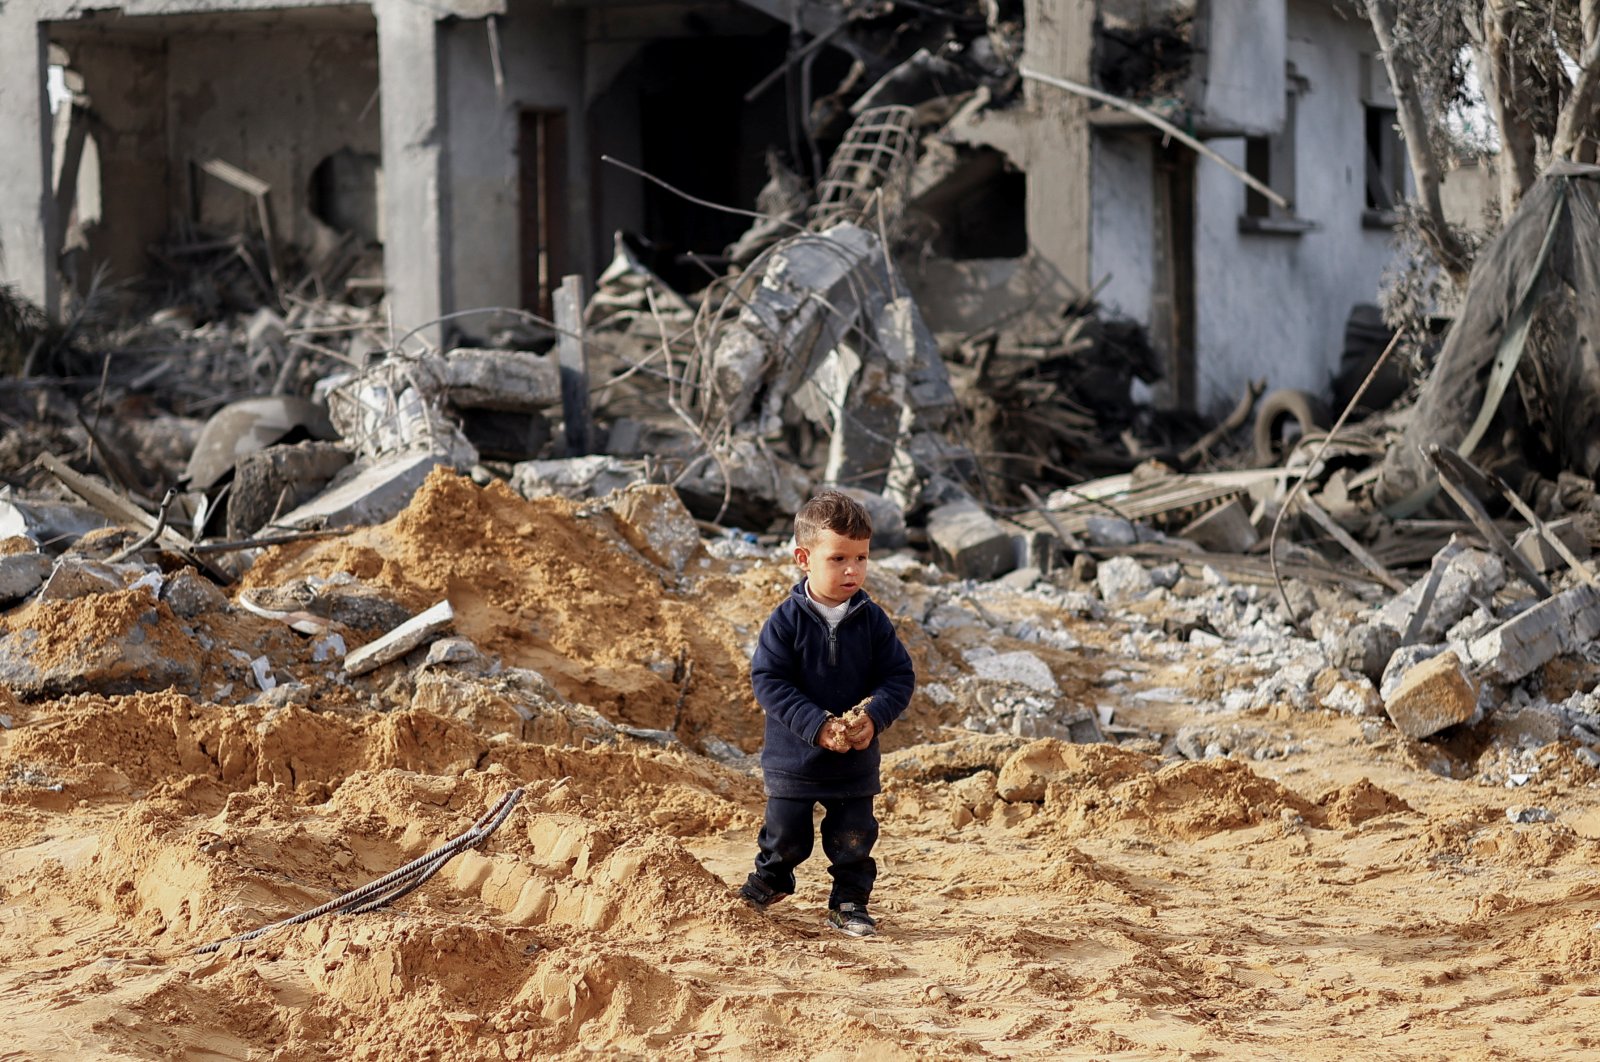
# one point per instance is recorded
(1320, 892)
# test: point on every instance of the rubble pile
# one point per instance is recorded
(288, 599)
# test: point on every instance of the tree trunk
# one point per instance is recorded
(1419, 147)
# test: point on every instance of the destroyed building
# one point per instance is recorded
(466, 140)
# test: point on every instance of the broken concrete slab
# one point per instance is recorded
(765, 486)
(1435, 694)
(68, 650)
(369, 492)
(42, 520)
(419, 629)
(968, 542)
(515, 381)
(74, 577)
(1365, 648)
(1459, 578)
(655, 522)
(1560, 624)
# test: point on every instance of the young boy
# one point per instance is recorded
(825, 650)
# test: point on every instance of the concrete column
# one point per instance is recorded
(415, 207)
(1059, 41)
(27, 207)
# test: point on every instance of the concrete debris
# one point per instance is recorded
(1542, 555)
(1435, 694)
(1457, 581)
(190, 594)
(513, 381)
(1565, 623)
(654, 521)
(420, 629)
(592, 476)
(1016, 668)
(1122, 579)
(1224, 529)
(74, 577)
(368, 492)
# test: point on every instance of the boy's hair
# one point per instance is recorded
(831, 510)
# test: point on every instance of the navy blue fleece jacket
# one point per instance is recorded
(803, 674)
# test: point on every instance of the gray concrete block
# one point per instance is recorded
(1562, 624)
(376, 491)
(190, 594)
(21, 574)
(1435, 694)
(968, 542)
(132, 661)
(516, 381)
(593, 476)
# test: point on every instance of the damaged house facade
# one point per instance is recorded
(465, 141)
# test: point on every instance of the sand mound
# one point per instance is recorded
(552, 586)
(1353, 804)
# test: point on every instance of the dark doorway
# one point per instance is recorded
(695, 131)
(542, 181)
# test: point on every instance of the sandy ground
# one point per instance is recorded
(1340, 900)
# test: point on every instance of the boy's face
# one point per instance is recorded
(836, 566)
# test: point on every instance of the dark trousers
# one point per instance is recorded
(849, 830)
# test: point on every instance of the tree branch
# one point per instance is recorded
(1578, 115)
(1518, 161)
(1419, 146)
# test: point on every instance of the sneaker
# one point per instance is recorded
(759, 894)
(852, 918)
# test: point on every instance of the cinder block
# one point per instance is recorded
(968, 542)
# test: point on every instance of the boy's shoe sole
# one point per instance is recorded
(854, 923)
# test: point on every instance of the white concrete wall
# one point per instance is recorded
(1123, 239)
(1274, 306)
(1239, 66)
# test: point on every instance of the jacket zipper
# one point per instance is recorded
(833, 631)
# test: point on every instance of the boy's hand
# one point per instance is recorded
(834, 736)
(861, 735)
